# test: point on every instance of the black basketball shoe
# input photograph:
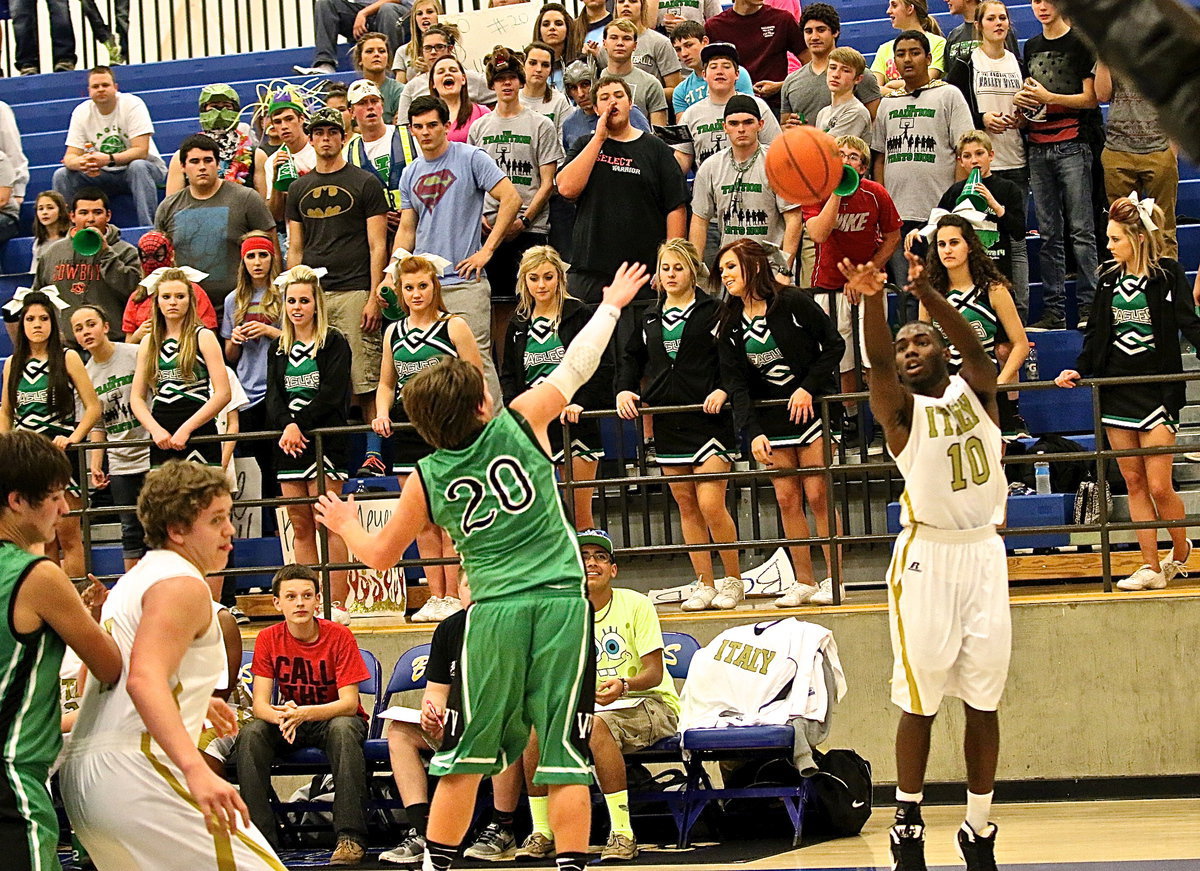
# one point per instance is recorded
(976, 850)
(908, 847)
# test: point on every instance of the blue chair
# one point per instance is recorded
(678, 650)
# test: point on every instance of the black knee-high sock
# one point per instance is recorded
(418, 816)
(438, 857)
(571, 861)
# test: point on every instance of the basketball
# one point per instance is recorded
(803, 165)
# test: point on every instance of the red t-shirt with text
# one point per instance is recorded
(309, 673)
(862, 219)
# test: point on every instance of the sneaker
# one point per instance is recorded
(619, 849)
(495, 843)
(700, 598)
(977, 850)
(796, 595)
(1081, 322)
(824, 593)
(908, 847)
(1174, 568)
(114, 50)
(372, 467)
(1145, 578)
(410, 851)
(850, 432)
(450, 605)
(536, 846)
(338, 614)
(348, 852)
(428, 612)
(239, 615)
(1020, 427)
(318, 70)
(64, 66)
(1049, 321)
(730, 591)
(27, 71)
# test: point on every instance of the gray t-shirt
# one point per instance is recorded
(653, 54)
(113, 381)
(848, 119)
(521, 146)
(648, 93)
(806, 92)
(916, 134)
(1133, 125)
(743, 203)
(558, 109)
(705, 122)
(207, 234)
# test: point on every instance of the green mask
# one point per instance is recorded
(218, 119)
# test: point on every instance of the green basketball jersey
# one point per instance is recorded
(32, 410)
(498, 499)
(414, 349)
(543, 350)
(301, 377)
(172, 387)
(674, 320)
(30, 730)
(1133, 334)
(976, 306)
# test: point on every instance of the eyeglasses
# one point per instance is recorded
(598, 557)
(431, 47)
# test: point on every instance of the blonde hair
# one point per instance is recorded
(685, 252)
(981, 8)
(979, 137)
(625, 25)
(304, 275)
(1147, 244)
(189, 345)
(413, 52)
(243, 294)
(856, 143)
(540, 255)
(849, 57)
(417, 265)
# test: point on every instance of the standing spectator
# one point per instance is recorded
(25, 30)
(10, 208)
(438, 42)
(914, 137)
(526, 147)
(220, 109)
(295, 157)
(1137, 155)
(315, 667)
(672, 13)
(967, 37)
(111, 366)
(703, 119)
(732, 188)
(652, 52)
(592, 21)
(337, 219)
(337, 97)
(764, 35)
(579, 78)
(10, 144)
(563, 34)
(333, 18)
(909, 15)
(537, 94)
(409, 62)
(207, 219)
(845, 115)
(621, 178)
(51, 222)
(805, 92)
(158, 254)
(646, 92)
(104, 279)
(379, 147)
(1061, 88)
(371, 59)
(689, 40)
(444, 196)
(448, 80)
(110, 145)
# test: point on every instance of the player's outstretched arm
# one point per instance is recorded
(543, 403)
(383, 549)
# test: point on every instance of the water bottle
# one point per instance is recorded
(1031, 364)
(1041, 478)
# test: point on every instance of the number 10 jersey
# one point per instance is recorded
(951, 464)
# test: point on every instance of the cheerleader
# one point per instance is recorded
(425, 334)
(673, 353)
(776, 342)
(181, 370)
(546, 321)
(308, 387)
(1143, 302)
(47, 390)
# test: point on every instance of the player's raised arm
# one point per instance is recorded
(383, 549)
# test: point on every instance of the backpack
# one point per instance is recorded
(1065, 475)
(839, 797)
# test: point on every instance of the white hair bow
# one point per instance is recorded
(194, 275)
(964, 210)
(441, 264)
(1145, 210)
(285, 277)
(14, 305)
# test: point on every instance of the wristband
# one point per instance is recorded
(525, 222)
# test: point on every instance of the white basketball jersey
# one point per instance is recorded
(951, 464)
(108, 710)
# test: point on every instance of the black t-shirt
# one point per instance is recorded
(1061, 66)
(333, 208)
(964, 39)
(1011, 226)
(445, 648)
(621, 214)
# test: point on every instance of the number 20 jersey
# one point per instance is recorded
(951, 464)
(498, 499)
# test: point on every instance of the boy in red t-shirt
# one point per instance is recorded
(865, 227)
(316, 667)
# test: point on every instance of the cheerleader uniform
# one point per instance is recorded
(673, 351)
(32, 410)
(533, 349)
(412, 350)
(177, 399)
(794, 344)
(313, 392)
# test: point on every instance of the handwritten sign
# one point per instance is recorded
(483, 30)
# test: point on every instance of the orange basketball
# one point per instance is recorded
(803, 165)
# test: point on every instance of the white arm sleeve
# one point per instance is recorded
(583, 354)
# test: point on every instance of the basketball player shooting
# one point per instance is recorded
(948, 578)
(527, 657)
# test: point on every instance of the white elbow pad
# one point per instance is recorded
(585, 352)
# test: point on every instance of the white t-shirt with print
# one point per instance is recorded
(115, 132)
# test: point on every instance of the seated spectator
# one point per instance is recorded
(371, 59)
(220, 109)
(629, 666)
(909, 15)
(156, 253)
(845, 115)
(312, 667)
(556, 28)
(110, 145)
(104, 279)
(438, 42)
(332, 18)
(10, 144)
(51, 222)
(409, 62)
(578, 78)
(448, 80)
(805, 92)
(337, 96)
(646, 92)
(10, 207)
(689, 40)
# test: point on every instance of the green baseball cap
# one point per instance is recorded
(598, 537)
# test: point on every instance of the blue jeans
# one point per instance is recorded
(1061, 177)
(331, 17)
(140, 179)
(25, 29)
(125, 490)
(1020, 251)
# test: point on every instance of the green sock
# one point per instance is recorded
(618, 812)
(539, 809)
